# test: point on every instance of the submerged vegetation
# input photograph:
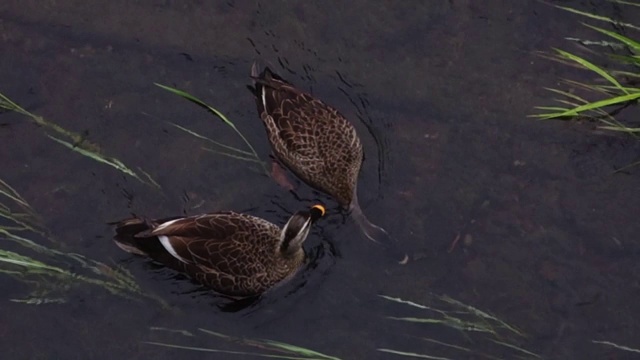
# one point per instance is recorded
(616, 64)
(48, 272)
(76, 142)
(265, 348)
(249, 155)
(475, 325)
(617, 346)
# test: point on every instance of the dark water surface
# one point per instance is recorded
(438, 91)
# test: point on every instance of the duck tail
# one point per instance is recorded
(260, 78)
(258, 84)
(377, 234)
(127, 232)
(264, 78)
(262, 82)
(269, 89)
(134, 235)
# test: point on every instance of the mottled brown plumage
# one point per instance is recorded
(317, 143)
(235, 254)
(310, 137)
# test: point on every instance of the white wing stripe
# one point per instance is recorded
(165, 224)
(167, 246)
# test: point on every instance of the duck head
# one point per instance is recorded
(295, 231)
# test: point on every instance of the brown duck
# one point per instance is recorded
(316, 143)
(235, 254)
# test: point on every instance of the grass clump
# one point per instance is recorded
(249, 155)
(76, 142)
(473, 324)
(48, 272)
(604, 98)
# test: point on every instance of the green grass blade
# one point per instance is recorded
(633, 60)
(273, 345)
(14, 258)
(77, 139)
(627, 74)
(621, 129)
(566, 102)
(604, 90)
(49, 270)
(603, 43)
(516, 348)
(233, 156)
(598, 17)
(449, 321)
(594, 105)
(13, 194)
(150, 180)
(627, 167)
(417, 320)
(612, 122)
(568, 94)
(479, 313)
(113, 162)
(307, 353)
(467, 319)
(599, 111)
(546, 116)
(173, 331)
(406, 302)
(28, 243)
(612, 92)
(609, 90)
(199, 136)
(197, 101)
(592, 67)
(552, 108)
(39, 301)
(608, 102)
(230, 352)
(621, 347)
(452, 346)
(626, 2)
(634, 45)
(413, 355)
(217, 113)
(8, 104)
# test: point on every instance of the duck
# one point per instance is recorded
(235, 254)
(316, 143)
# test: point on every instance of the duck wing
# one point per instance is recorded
(310, 130)
(215, 243)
